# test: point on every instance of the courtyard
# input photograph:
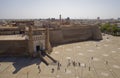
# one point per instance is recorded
(88, 59)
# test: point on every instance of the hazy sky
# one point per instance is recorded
(19, 9)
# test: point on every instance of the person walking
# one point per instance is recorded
(52, 70)
(39, 68)
(79, 64)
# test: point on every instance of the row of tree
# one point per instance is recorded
(112, 29)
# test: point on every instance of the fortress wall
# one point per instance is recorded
(13, 47)
(75, 33)
(72, 34)
(56, 36)
(96, 33)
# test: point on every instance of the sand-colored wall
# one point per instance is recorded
(72, 34)
(13, 47)
(96, 33)
(56, 36)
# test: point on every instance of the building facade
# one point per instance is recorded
(30, 42)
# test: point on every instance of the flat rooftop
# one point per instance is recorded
(98, 59)
(13, 37)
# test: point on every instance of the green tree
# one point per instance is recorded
(105, 27)
(114, 29)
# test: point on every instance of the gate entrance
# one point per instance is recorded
(37, 48)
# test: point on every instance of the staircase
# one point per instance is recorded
(47, 59)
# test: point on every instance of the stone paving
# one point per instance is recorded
(89, 59)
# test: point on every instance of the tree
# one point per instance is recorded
(114, 29)
(105, 27)
(110, 28)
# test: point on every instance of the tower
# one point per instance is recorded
(30, 42)
(60, 19)
(98, 18)
(47, 41)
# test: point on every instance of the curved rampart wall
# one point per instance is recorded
(73, 34)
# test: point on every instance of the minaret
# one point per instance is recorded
(47, 41)
(30, 42)
(60, 19)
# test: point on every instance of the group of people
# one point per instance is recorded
(58, 67)
(70, 63)
(73, 63)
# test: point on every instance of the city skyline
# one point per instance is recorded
(76, 9)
